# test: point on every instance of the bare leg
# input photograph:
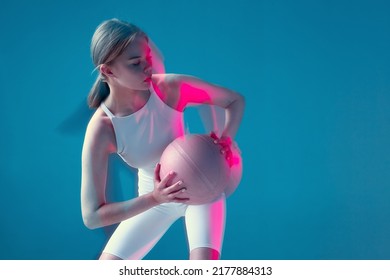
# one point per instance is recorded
(204, 253)
(107, 256)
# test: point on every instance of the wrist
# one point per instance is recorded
(151, 200)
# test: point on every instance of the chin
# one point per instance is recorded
(147, 84)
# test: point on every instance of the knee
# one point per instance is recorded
(107, 256)
(204, 253)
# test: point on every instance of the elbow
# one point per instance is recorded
(241, 100)
(238, 104)
(90, 220)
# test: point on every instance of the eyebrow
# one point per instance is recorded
(148, 52)
(134, 57)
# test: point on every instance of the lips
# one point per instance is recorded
(148, 79)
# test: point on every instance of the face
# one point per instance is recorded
(133, 68)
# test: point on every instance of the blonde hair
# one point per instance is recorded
(110, 39)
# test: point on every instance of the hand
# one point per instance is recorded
(163, 192)
(226, 144)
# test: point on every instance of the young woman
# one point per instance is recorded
(137, 115)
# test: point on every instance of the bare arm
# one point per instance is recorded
(96, 212)
(191, 90)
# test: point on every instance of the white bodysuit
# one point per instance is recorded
(141, 138)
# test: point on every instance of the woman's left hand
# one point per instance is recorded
(226, 143)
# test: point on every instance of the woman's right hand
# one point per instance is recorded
(163, 192)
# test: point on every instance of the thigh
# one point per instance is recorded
(205, 225)
(135, 237)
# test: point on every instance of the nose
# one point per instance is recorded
(148, 68)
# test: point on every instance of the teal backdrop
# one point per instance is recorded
(314, 139)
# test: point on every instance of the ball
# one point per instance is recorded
(204, 170)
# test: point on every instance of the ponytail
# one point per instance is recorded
(98, 93)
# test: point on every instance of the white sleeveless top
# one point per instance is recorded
(142, 136)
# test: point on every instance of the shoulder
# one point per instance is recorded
(171, 80)
(100, 132)
(166, 82)
(167, 88)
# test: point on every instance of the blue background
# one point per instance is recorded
(315, 135)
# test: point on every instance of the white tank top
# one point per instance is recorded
(142, 136)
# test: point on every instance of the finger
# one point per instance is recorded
(228, 155)
(213, 135)
(225, 140)
(176, 188)
(157, 172)
(180, 194)
(167, 178)
(228, 141)
(181, 200)
(226, 150)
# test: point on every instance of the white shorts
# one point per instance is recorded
(135, 237)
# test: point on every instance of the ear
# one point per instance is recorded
(106, 70)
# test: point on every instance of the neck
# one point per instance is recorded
(123, 102)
